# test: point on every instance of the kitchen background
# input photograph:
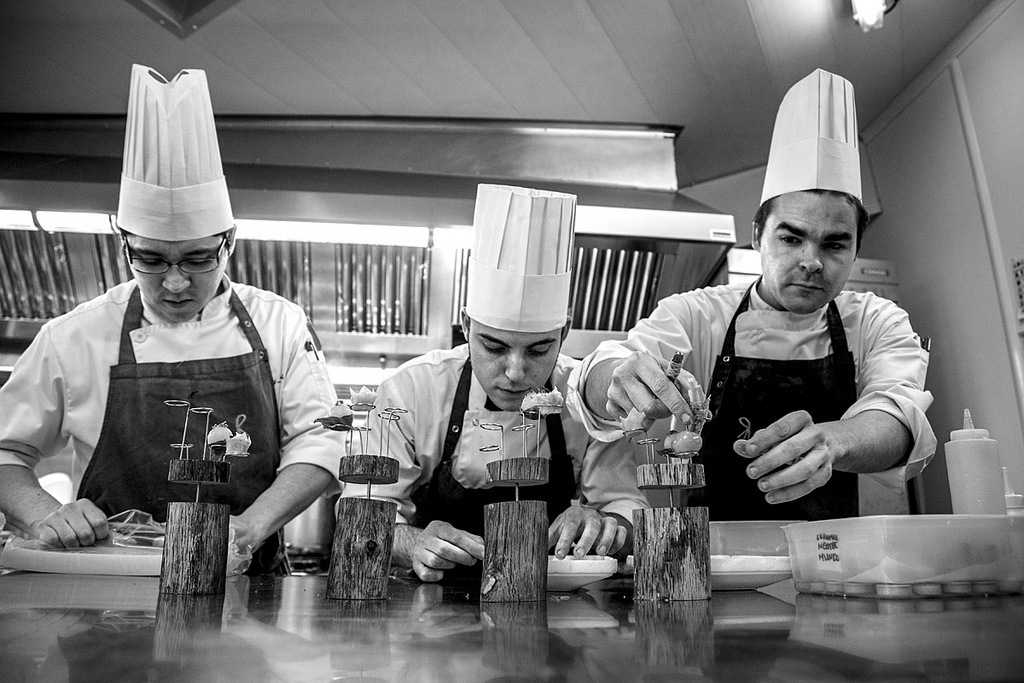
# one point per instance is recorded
(657, 114)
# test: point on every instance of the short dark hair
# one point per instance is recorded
(761, 217)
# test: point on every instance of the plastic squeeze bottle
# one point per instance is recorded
(975, 473)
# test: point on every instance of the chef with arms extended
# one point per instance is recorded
(96, 378)
(808, 384)
(515, 320)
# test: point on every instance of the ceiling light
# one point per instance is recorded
(75, 221)
(12, 219)
(870, 13)
(334, 233)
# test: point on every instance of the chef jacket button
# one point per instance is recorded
(720, 384)
(726, 358)
(455, 429)
(138, 336)
(247, 323)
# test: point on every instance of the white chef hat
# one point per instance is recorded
(814, 145)
(520, 269)
(172, 181)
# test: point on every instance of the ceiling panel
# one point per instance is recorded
(718, 68)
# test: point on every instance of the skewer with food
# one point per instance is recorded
(221, 438)
(339, 418)
(537, 404)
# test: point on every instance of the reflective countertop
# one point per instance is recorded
(100, 628)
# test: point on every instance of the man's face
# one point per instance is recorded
(510, 364)
(807, 247)
(177, 296)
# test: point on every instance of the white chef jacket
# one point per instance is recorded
(890, 362)
(605, 473)
(56, 396)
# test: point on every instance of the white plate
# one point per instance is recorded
(30, 556)
(571, 573)
(742, 572)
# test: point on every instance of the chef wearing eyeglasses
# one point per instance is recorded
(96, 379)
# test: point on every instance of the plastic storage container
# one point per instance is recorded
(897, 556)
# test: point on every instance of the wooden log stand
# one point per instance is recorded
(364, 533)
(196, 534)
(184, 471)
(195, 549)
(516, 535)
(672, 547)
(518, 471)
(515, 552)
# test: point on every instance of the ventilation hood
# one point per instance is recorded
(406, 171)
(638, 239)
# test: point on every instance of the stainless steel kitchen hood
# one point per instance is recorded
(638, 238)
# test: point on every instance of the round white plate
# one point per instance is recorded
(571, 573)
(742, 572)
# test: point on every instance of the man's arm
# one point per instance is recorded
(293, 490)
(34, 513)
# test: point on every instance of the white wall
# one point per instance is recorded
(948, 159)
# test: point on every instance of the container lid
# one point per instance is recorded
(969, 431)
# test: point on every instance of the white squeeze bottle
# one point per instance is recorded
(975, 473)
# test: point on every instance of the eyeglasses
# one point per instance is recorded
(157, 266)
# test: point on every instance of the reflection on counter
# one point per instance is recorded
(74, 628)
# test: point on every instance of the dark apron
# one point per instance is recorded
(443, 498)
(762, 391)
(129, 466)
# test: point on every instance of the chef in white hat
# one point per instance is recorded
(809, 384)
(97, 378)
(515, 320)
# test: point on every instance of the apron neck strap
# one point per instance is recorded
(133, 321)
(459, 405)
(834, 321)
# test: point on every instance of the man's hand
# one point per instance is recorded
(76, 524)
(246, 534)
(588, 528)
(642, 382)
(792, 457)
(438, 547)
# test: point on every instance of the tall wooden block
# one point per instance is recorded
(361, 556)
(515, 552)
(672, 554)
(195, 549)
